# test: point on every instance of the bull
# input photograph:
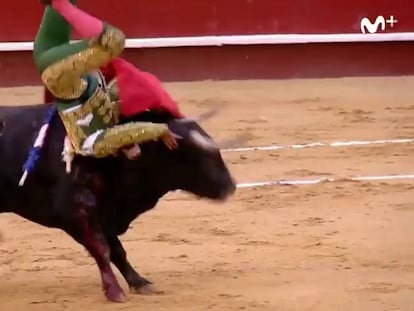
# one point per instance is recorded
(96, 202)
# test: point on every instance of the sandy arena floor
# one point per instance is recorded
(326, 247)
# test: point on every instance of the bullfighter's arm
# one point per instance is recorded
(108, 142)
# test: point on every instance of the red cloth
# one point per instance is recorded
(138, 90)
(48, 97)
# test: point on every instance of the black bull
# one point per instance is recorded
(99, 199)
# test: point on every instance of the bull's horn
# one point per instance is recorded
(186, 120)
(202, 141)
(201, 118)
(207, 115)
(235, 142)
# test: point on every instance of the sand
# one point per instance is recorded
(326, 247)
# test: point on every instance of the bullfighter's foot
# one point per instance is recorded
(148, 290)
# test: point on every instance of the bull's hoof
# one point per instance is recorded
(148, 290)
(115, 295)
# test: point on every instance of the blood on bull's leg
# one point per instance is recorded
(80, 223)
(94, 241)
(136, 283)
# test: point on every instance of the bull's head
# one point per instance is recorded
(196, 166)
(199, 167)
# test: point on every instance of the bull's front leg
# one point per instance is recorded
(94, 241)
(136, 283)
(85, 229)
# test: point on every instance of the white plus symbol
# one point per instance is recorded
(392, 21)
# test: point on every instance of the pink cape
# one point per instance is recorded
(138, 90)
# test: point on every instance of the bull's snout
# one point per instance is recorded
(228, 190)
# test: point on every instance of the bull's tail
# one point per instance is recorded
(34, 154)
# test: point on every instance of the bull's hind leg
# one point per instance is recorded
(84, 228)
(136, 283)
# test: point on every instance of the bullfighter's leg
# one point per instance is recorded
(63, 64)
(81, 225)
(136, 282)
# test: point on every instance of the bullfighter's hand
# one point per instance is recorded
(169, 139)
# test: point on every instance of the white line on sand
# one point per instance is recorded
(320, 144)
(320, 180)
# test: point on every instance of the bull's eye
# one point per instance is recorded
(2, 127)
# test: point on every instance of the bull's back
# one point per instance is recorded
(19, 128)
(19, 125)
(36, 198)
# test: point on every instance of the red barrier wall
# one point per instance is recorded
(165, 18)
(154, 18)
